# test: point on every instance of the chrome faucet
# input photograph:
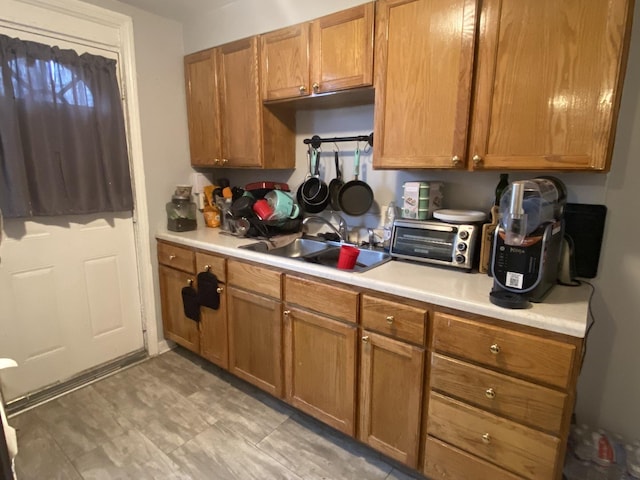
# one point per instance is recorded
(341, 230)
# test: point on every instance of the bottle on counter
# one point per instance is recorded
(389, 218)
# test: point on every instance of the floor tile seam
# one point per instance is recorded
(255, 445)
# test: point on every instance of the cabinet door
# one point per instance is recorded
(203, 108)
(285, 62)
(549, 81)
(320, 368)
(342, 50)
(177, 326)
(255, 339)
(423, 71)
(213, 332)
(390, 396)
(241, 108)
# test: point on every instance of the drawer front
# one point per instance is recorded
(254, 278)
(215, 264)
(394, 319)
(330, 300)
(512, 446)
(525, 402)
(176, 257)
(444, 462)
(530, 356)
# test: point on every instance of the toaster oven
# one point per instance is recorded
(435, 242)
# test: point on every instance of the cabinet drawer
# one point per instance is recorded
(176, 257)
(394, 319)
(254, 278)
(215, 264)
(530, 356)
(333, 301)
(444, 462)
(525, 402)
(517, 448)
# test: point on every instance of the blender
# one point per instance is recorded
(527, 244)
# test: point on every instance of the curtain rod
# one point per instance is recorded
(316, 141)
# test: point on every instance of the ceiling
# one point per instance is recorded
(179, 10)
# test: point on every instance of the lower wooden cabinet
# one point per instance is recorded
(493, 401)
(255, 339)
(213, 323)
(391, 375)
(177, 327)
(320, 367)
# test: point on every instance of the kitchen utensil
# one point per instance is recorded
(459, 216)
(335, 185)
(312, 188)
(262, 209)
(348, 257)
(486, 240)
(282, 204)
(242, 207)
(355, 197)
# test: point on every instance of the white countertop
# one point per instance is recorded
(565, 309)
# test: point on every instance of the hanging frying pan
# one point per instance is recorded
(355, 197)
(335, 185)
(313, 193)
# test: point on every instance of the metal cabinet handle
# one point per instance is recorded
(171, 257)
(477, 160)
(207, 268)
(365, 339)
(390, 319)
(219, 290)
(456, 161)
(316, 87)
(225, 161)
(190, 282)
(302, 89)
(486, 438)
(495, 349)
(490, 393)
(286, 313)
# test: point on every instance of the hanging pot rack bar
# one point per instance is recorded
(316, 141)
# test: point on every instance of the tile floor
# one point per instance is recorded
(177, 416)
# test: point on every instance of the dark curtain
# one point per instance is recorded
(63, 147)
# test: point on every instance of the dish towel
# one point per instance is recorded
(190, 303)
(9, 432)
(208, 295)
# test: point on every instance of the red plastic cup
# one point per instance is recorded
(348, 257)
(263, 209)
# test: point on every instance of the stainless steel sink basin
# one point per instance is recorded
(321, 252)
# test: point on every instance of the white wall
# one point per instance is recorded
(609, 387)
(159, 52)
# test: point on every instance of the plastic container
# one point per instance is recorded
(389, 218)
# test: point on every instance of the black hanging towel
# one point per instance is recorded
(190, 303)
(208, 295)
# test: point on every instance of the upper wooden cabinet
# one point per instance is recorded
(203, 108)
(548, 84)
(228, 125)
(424, 63)
(548, 78)
(331, 53)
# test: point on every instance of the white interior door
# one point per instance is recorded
(69, 292)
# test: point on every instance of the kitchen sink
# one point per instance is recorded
(321, 252)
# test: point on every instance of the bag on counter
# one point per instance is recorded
(208, 295)
(190, 303)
